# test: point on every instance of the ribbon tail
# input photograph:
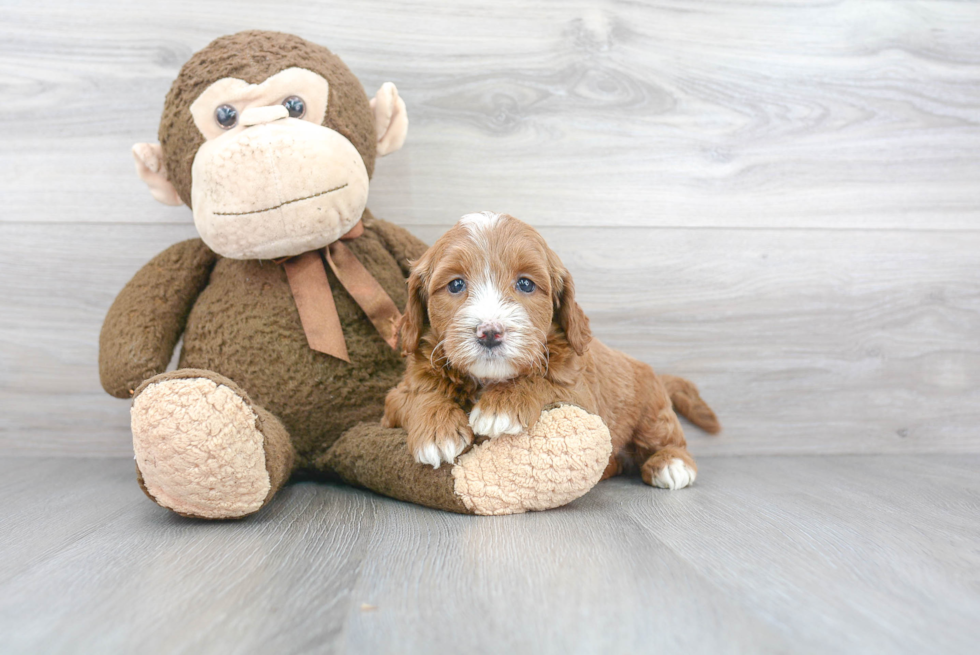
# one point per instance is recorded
(366, 291)
(314, 300)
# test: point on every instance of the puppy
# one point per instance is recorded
(493, 335)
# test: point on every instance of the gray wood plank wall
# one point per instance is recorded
(778, 200)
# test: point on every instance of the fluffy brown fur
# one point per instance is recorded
(238, 319)
(242, 334)
(548, 355)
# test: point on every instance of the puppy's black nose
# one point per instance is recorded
(490, 335)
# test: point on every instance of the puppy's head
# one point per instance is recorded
(487, 295)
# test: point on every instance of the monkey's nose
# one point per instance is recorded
(490, 335)
(258, 115)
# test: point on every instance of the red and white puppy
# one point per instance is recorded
(494, 335)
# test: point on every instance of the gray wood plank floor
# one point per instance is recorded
(832, 554)
(777, 200)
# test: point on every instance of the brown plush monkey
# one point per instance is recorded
(271, 140)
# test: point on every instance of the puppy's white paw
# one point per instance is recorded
(494, 425)
(436, 451)
(676, 475)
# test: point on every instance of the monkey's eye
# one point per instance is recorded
(226, 116)
(456, 286)
(295, 105)
(525, 285)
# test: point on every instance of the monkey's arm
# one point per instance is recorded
(149, 314)
(401, 243)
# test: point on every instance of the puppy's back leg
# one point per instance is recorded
(661, 450)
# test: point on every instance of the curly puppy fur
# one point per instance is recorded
(493, 335)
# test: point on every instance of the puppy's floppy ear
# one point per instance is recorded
(568, 314)
(416, 316)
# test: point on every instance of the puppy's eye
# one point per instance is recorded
(226, 116)
(295, 106)
(456, 285)
(525, 285)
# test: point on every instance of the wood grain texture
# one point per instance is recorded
(673, 113)
(804, 341)
(778, 200)
(763, 555)
(818, 552)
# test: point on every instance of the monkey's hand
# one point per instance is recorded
(149, 314)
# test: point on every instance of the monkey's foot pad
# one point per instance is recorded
(558, 460)
(198, 449)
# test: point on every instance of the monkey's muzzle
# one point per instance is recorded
(277, 190)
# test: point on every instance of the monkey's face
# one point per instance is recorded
(270, 179)
(271, 140)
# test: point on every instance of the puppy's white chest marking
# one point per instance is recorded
(496, 369)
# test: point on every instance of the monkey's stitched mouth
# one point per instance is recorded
(282, 204)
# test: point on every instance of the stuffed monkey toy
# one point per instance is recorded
(288, 304)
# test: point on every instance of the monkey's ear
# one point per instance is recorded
(151, 169)
(390, 119)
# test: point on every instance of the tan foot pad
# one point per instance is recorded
(198, 449)
(558, 460)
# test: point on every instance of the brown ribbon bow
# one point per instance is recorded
(314, 299)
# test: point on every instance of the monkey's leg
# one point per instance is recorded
(204, 449)
(558, 460)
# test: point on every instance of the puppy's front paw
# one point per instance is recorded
(441, 441)
(494, 424)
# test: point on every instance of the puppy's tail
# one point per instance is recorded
(687, 401)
